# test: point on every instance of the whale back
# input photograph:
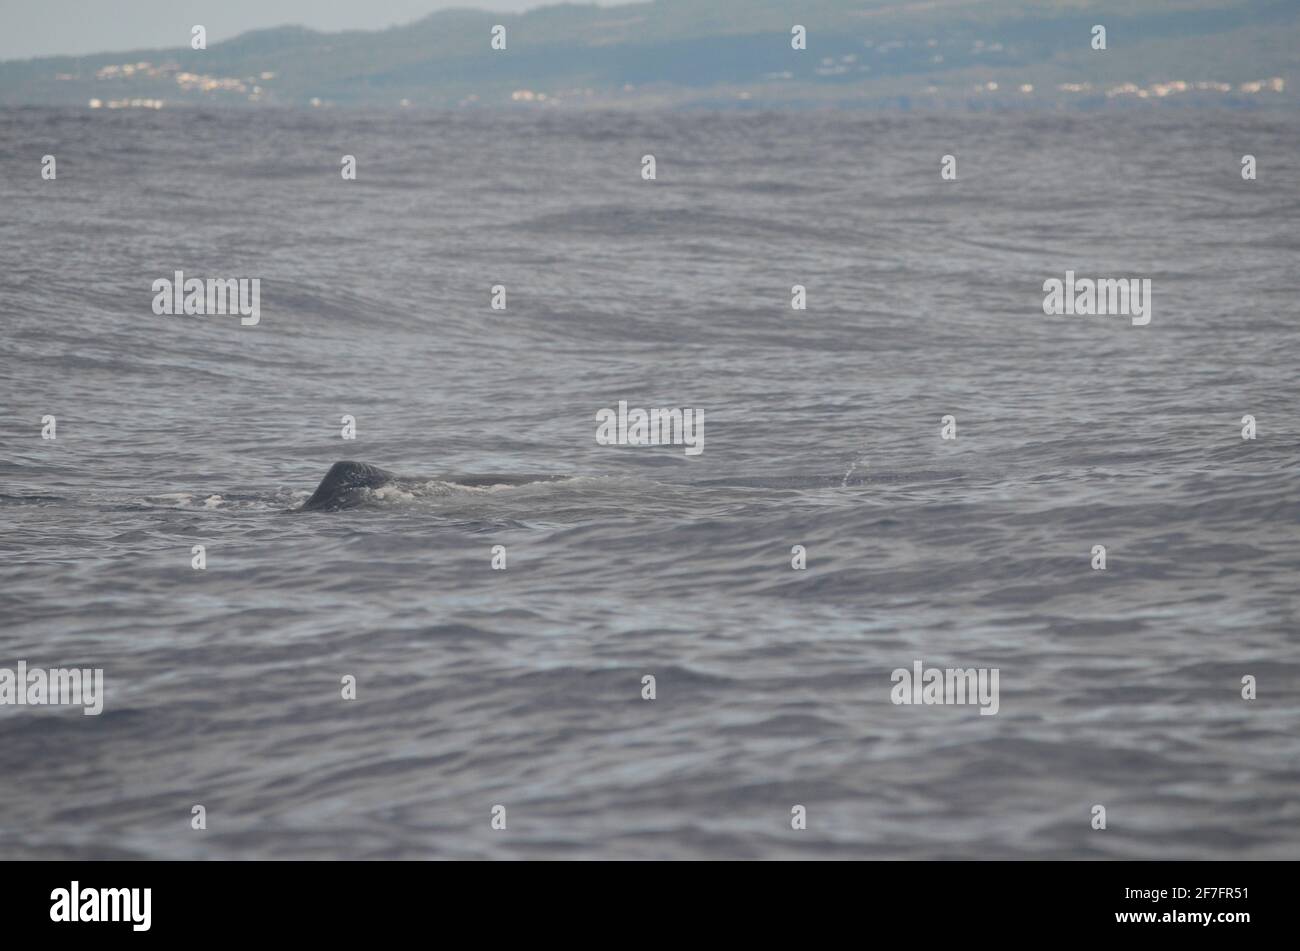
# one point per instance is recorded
(343, 484)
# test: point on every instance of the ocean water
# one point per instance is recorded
(522, 687)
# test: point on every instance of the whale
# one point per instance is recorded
(348, 484)
(345, 485)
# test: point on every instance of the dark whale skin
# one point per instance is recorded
(343, 486)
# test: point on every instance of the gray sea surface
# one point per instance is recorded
(523, 687)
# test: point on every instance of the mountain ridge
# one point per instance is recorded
(997, 54)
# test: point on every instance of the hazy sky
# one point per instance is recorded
(69, 27)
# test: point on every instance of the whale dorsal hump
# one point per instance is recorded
(340, 486)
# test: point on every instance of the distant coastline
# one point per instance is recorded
(991, 56)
